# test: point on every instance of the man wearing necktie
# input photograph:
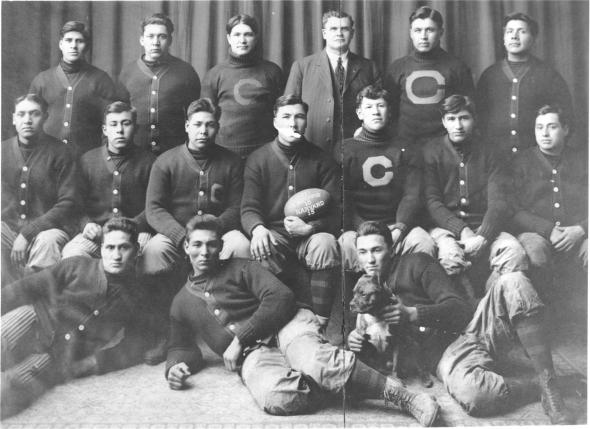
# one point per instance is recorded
(329, 81)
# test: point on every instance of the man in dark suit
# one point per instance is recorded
(329, 82)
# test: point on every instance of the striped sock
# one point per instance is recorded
(531, 332)
(323, 283)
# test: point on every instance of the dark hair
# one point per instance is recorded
(371, 227)
(158, 19)
(124, 224)
(554, 108)
(203, 105)
(35, 99)
(206, 222)
(77, 26)
(288, 100)
(455, 103)
(426, 12)
(242, 18)
(336, 14)
(119, 107)
(372, 92)
(519, 16)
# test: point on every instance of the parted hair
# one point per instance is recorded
(35, 99)
(520, 16)
(158, 19)
(77, 26)
(124, 224)
(203, 105)
(242, 18)
(455, 103)
(373, 227)
(336, 14)
(426, 12)
(206, 222)
(372, 92)
(288, 100)
(118, 107)
(554, 108)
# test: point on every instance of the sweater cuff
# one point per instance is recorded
(247, 335)
(455, 225)
(487, 231)
(30, 231)
(427, 315)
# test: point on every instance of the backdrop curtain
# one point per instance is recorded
(289, 30)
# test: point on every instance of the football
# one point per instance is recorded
(308, 204)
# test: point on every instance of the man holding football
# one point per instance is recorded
(273, 174)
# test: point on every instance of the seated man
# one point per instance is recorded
(427, 299)
(273, 174)
(249, 317)
(466, 195)
(551, 182)
(198, 177)
(510, 315)
(38, 192)
(382, 182)
(113, 182)
(80, 317)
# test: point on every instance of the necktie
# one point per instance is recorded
(340, 75)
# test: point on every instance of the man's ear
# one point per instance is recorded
(104, 130)
(185, 245)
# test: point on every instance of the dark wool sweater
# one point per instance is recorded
(76, 105)
(241, 299)
(419, 281)
(381, 181)
(468, 189)
(507, 104)
(546, 195)
(418, 83)
(38, 193)
(80, 307)
(179, 188)
(246, 91)
(109, 188)
(161, 97)
(270, 179)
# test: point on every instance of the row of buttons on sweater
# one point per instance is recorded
(81, 327)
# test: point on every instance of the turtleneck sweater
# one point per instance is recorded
(418, 83)
(245, 88)
(381, 181)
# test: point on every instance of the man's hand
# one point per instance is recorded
(232, 354)
(466, 233)
(261, 243)
(394, 314)
(92, 231)
(569, 237)
(18, 255)
(474, 246)
(177, 376)
(296, 227)
(396, 234)
(356, 341)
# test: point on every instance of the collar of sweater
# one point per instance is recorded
(244, 60)
(368, 136)
(463, 148)
(71, 68)
(157, 63)
(430, 56)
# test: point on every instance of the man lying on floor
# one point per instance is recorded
(245, 314)
(80, 317)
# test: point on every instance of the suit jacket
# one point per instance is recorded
(311, 79)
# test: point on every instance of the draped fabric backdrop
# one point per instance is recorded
(289, 30)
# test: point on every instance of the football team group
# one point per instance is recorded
(141, 213)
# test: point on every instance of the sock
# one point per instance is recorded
(323, 283)
(365, 381)
(531, 332)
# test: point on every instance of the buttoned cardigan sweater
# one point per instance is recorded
(75, 106)
(109, 190)
(38, 193)
(180, 188)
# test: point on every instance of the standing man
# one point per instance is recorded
(510, 91)
(273, 174)
(113, 182)
(419, 82)
(249, 317)
(245, 87)
(160, 86)
(329, 81)
(551, 182)
(76, 92)
(38, 192)
(83, 316)
(381, 181)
